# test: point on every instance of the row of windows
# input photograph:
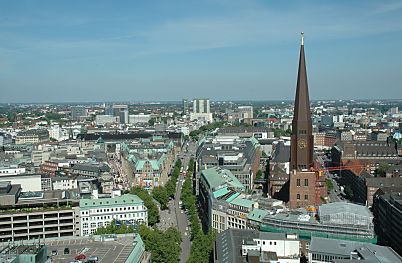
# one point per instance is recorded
(85, 232)
(325, 258)
(263, 242)
(237, 226)
(93, 218)
(298, 197)
(103, 210)
(298, 182)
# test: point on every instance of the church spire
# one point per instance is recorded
(302, 142)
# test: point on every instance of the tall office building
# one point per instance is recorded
(201, 106)
(186, 104)
(121, 111)
(201, 110)
(78, 112)
(304, 186)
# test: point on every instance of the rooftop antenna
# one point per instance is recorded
(302, 38)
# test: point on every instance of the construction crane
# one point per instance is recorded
(353, 167)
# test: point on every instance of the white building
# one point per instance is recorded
(55, 132)
(246, 112)
(95, 213)
(28, 182)
(106, 119)
(11, 170)
(139, 118)
(286, 246)
(64, 183)
(201, 110)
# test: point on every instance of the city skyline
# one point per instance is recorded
(224, 50)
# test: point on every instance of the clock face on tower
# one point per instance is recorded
(302, 143)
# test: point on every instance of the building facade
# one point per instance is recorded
(95, 213)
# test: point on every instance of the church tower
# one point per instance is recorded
(302, 139)
(302, 185)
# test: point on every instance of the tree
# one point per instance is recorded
(160, 195)
(202, 244)
(348, 192)
(153, 212)
(115, 229)
(151, 122)
(329, 184)
(164, 246)
(258, 175)
(382, 169)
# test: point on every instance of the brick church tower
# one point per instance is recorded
(303, 181)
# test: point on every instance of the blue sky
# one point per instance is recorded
(79, 51)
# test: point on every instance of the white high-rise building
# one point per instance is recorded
(201, 106)
(201, 110)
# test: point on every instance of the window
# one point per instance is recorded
(305, 197)
(305, 182)
(298, 182)
(298, 196)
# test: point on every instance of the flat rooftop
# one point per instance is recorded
(108, 251)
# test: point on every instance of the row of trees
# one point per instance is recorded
(153, 211)
(207, 128)
(202, 244)
(162, 193)
(164, 246)
(114, 228)
(280, 132)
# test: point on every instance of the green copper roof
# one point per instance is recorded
(116, 201)
(233, 196)
(242, 202)
(221, 192)
(100, 140)
(216, 177)
(254, 141)
(257, 215)
(138, 250)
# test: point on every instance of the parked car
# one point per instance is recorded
(66, 251)
(93, 259)
(80, 257)
(54, 252)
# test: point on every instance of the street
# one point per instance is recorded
(181, 217)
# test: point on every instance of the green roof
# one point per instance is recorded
(233, 196)
(254, 141)
(138, 250)
(242, 202)
(216, 177)
(221, 192)
(306, 235)
(257, 214)
(116, 201)
(139, 165)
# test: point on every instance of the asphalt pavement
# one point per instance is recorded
(181, 217)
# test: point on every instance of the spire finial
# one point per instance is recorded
(302, 38)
